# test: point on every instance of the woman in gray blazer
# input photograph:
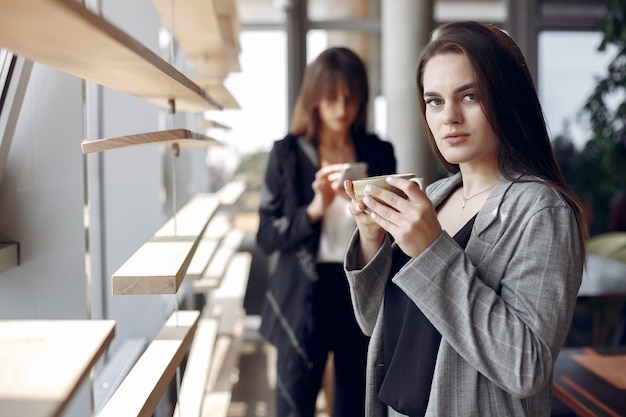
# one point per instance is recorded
(467, 289)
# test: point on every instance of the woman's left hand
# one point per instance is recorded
(412, 222)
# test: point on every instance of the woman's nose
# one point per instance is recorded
(452, 115)
(341, 105)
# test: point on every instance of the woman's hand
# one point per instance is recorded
(371, 235)
(412, 222)
(325, 191)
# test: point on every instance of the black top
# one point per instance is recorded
(410, 344)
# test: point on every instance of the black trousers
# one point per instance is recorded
(336, 330)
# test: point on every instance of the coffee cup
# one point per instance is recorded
(381, 181)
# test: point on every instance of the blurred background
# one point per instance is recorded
(68, 221)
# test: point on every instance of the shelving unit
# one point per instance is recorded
(44, 361)
(64, 34)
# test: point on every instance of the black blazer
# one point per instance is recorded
(287, 314)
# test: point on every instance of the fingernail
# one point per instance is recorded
(368, 188)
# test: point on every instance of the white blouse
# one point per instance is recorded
(337, 229)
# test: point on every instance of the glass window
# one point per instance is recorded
(262, 11)
(568, 67)
(261, 91)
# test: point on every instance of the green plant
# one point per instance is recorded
(599, 172)
(253, 166)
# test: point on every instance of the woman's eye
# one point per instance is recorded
(433, 102)
(469, 97)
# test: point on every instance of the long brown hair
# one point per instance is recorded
(509, 101)
(321, 79)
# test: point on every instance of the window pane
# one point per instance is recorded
(261, 11)
(568, 66)
(261, 91)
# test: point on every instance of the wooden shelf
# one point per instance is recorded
(208, 31)
(9, 256)
(183, 137)
(202, 123)
(44, 361)
(194, 380)
(215, 87)
(151, 376)
(207, 248)
(160, 265)
(65, 35)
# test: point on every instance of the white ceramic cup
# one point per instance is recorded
(381, 181)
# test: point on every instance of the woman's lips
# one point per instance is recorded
(455, 138)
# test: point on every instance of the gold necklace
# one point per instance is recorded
(465, 200)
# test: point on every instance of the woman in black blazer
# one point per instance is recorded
(304, 217)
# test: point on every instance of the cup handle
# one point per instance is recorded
(418, 181)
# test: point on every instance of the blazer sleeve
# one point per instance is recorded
(283, 222)
(367, 285)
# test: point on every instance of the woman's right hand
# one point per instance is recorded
(371, 235)
(324, 191)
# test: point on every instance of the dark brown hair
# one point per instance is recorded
(509, 100)
(321, 79)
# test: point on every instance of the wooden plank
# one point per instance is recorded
(9, 256)
(215, 87)
(181, 137)
(203, 32)
(191, 220)
(44, 361)
(65, 35)
(225, 361)
(160, 265)
(140, 392)
(119, 363)
(215, 271)
(231, 291)
(229, 20)
(196, 373)
(230, 193)
(201, 258)
(204, 124)
(215, 231)
(196, 26)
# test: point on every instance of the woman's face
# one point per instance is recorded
(338, 113)
(454, 115)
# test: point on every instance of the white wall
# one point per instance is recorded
(41, 203)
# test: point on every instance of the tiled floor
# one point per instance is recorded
(253, 392)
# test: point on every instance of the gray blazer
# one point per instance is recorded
(503, 306)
